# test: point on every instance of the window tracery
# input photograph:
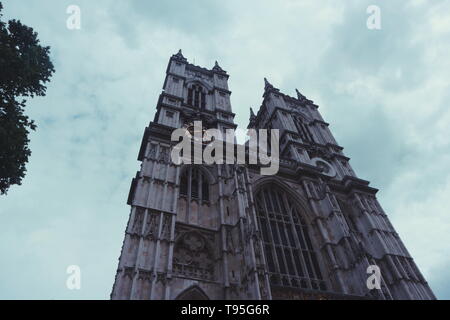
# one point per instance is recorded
(290, 255)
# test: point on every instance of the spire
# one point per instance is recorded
(179, 56)
(217, 68)
(252, 119)
(301, 97)
(268, 87)
(267, 84)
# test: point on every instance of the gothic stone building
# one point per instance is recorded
(227, 232)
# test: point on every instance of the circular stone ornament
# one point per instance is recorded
(327, 168)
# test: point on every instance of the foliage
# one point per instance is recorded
(25, 68)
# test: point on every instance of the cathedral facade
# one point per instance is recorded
(224, 231)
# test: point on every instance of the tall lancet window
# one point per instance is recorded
(290, 255)
(303, 130)
(196, 96)
(194, 184)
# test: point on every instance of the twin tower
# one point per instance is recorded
(224, 231)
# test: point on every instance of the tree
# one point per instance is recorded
(25, 67)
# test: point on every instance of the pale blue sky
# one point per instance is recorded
(384, 92)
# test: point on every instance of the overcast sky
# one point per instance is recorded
(384, 92)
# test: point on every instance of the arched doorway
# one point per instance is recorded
(193, 293)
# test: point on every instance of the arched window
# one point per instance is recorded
(303, 130)
(194, 183)
(290, 255)
(196, 97)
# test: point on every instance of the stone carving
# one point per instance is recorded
(319, 152)
(193, 257)
(129, 272)
(152, 151)
(151, 226)
(240, 171)
(198, 75)
(230, 243)
(164, 155)
(161, 277)
(190, 116)
(138, 220)
(322, 165)
(321, 190)
(258, 251)
(262, 288)
(145, 275)
(165, 232)
(325, 167)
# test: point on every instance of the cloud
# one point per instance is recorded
(383, 92)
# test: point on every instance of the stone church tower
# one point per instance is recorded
(226, 232)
